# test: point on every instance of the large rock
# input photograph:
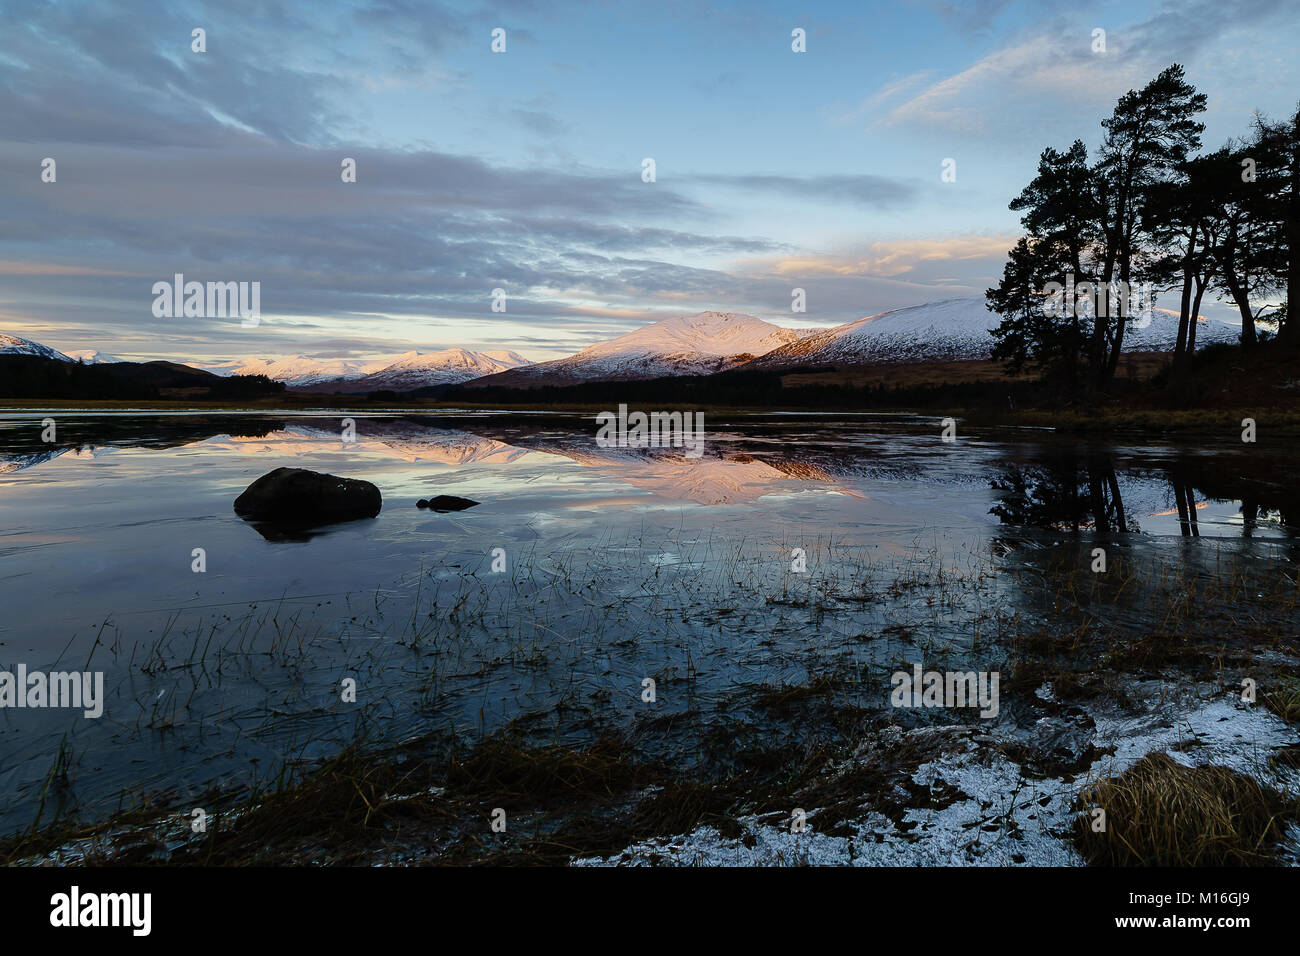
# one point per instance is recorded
(296, 496)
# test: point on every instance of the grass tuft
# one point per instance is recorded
(1160, 813)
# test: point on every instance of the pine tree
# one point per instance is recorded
(1275, 150)
(1149, 136)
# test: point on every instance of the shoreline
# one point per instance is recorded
(1081, 709)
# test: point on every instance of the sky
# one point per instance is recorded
(522, 170)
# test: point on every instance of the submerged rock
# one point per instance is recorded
(446, 503)
(296, 496)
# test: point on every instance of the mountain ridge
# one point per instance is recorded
(703, 343)
(954, 329)
(697, 344)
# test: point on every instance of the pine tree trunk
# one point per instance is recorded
(1242, 300)
(1196, 311)
(1181, 351)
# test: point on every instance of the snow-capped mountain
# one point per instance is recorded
(92, 357)
(296, 371)
(953, 330)
(413, 370)
(700, 344)
(13, 345)
(686, 345)
(399, 373)
(404, 372)
(1161, 335)
(507, 357)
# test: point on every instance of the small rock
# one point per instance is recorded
(444, 503)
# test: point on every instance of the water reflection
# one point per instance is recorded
(622, 562)
(1053, 485)
(1069, 490)
(723, 475)
(1065, 493)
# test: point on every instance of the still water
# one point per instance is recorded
(618, 563)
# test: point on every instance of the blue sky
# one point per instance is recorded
(522, 170)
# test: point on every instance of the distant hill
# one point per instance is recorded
(417, 370)
(953, 330)
(13, 345)
(92, 357)
(706, 343)
(685, 345)
(30, 376)
(400, 373)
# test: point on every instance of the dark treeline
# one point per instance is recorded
(755, 389)
(132, 431)
(1149, 209)
(32, 376)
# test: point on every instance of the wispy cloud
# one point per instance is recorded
(879, 192)
(1051, 68)
(894, 258)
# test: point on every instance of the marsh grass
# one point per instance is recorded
(773, 683)
(1160, 813)
(1283, 698)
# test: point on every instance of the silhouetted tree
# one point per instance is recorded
(1182, 219)
(1089, 220)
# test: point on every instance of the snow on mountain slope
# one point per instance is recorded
(295, 370)
(414, 370)
(685, 345)
(508, 358)
(92, 357)
(400, 373)
(953, 330)
(13, 345)
(395, 440)
(1162, 334)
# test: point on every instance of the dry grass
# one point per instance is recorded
(1284, 699)
(412, 802)
(1160, 813)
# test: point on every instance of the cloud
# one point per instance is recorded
(1050, 71)
(90, 74)
(225, 166)
(1010, 88)
(890, 259)
(877, 192)
(898, 87)
(10, 268)
(539, 121)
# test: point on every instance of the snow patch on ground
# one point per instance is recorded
(1005, 818)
